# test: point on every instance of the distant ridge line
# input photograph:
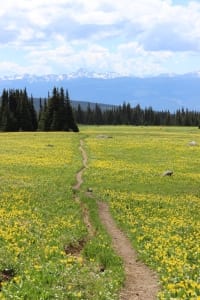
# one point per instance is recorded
(84, 104)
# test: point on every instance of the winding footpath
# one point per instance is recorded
(140, 282)
(79, 175)
(76, 187)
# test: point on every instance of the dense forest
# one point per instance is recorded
(18, 113)
(125, 115)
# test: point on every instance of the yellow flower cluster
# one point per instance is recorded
(160, 214)
(38, 214)
(40, 151)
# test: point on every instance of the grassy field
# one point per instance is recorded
(40, 219)
(161, 215)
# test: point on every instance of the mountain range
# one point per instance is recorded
(163, 92)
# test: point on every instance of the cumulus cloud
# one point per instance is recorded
(167, 37)
(127, 36)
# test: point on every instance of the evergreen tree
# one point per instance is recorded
(168, 118)
(89, 115)
(80, 115)
(58, 114)
(98, 118)
(34, 119)
(178, 117)
(17, 112)
(70, 123)
(25, 120)
(4, 111)
(137, 115)
(51, 108)
(42, 116)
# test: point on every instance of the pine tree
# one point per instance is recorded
(34, 119)
(89, 115)
(25, 120)
(4, 111)
(80, 115)
(9, 121)
(70, 123)
(58, 114)
(51, 108)
(17, 111)
(98, 118)
(42, 116)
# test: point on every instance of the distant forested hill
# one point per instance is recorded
(164, 92)
(84, 105)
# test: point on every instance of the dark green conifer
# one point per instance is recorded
(59, 113)
(70, 124)
(17, 111)
(34, 119)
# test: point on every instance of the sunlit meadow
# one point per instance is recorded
(39, 220)
(161, 215)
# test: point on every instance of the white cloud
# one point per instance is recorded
(10, 68)
(126, 36)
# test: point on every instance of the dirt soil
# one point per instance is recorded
(140, 282)
(76, 187)
(79, 178)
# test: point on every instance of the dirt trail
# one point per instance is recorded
(79, 179)
(76, 187)
(140, 282)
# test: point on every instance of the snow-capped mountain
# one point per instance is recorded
(81, 73)
(164, 92)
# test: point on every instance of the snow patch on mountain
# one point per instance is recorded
(163, 92)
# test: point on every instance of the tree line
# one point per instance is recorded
(126, 115)
(18, 113)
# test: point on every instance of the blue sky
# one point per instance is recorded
(129, 37)
(180, 2)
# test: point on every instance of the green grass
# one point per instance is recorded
(40, 219)
(160, 214)
(99, 249)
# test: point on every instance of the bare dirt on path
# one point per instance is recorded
(79, 179)
(76, 187)
(140, 282)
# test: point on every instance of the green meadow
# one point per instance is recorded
(160, 214)
(40, 219)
